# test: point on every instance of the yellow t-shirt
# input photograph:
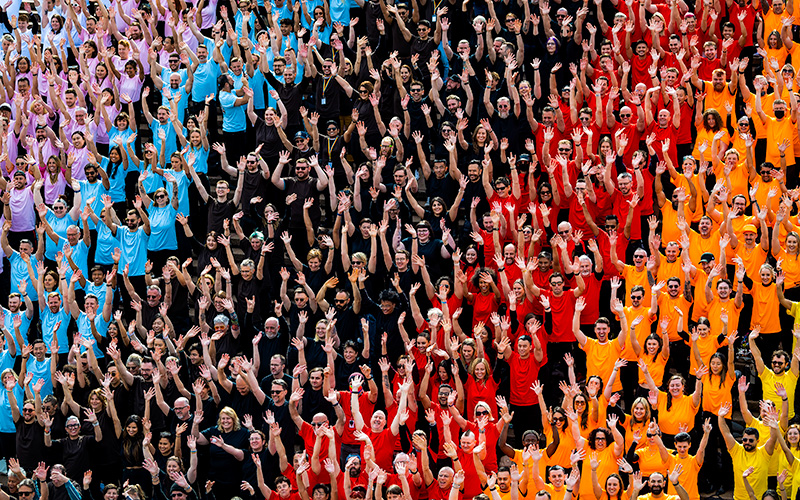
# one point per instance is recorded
(789, 381)
(742, 460)
(600, 360)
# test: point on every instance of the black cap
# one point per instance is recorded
(707, 257)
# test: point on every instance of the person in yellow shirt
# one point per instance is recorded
(781, 372)
(690, 464)
(748, 454)
(507, 484)
(766, 407)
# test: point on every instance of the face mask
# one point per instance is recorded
(779, 113)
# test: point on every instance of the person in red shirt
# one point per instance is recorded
(663, 127)
(306, 430)
(523, 366)
(622, 192)
(463, 461)
(382, 438)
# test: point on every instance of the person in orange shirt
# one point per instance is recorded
(640, 319)
(717, 386)
(600, 352)
(723, 302)
(788, 256)
(766, 308)
(653, 457)
(675, 408)
(673, 307)
(601, 452)
(655, 355)
(690, 465)
(703, 343)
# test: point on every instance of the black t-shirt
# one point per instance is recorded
(218, 212)
(306, 188)
(225, 468)
(243, 404)
(269, 140)
(75, 454)
(30, 444)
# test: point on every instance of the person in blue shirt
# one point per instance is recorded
(19, 265)
(163, 212)
(39, 365)
(133, 243)
(234, 122)
(76, 246)
(55, 321)
(92, 323)
(178, 91)
(107, 252)
(92, 189)
(14, 313)
(159, 124)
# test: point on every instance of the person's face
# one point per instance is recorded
(54, 303)
(387, 307)
(601, 330)
(636, 299)
(73, 234)
(473, 172)
(73, 428)
(557, 285)
(778, 364)
(777, 6)
(289, 74)
(723, 290)
(639, 260)
(316, 380)
(557, 478)
(284, 489)
(749, 442)
(256, 442)
(675, 387)
(27, 413)
(226, 422)
(164, 446)
(301, 169)
(656, 483)
(791, 243)
(146, 370)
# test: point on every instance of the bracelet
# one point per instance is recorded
(676, 484)
(784, 399)
(501, 269)
(95, 424)
(492, 489)
(193, 451)
(455, 459)
(567, 489)
(413, 471)
(370, 377)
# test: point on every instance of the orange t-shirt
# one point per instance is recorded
(682, 411)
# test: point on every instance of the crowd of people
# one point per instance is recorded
(403, 250)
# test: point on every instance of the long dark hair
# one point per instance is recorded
(113, 166)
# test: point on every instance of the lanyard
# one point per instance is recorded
(331, 146)
(325, 83)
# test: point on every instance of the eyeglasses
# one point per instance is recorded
(416, 90)
(339, 301)
(365, 91)
(638, 256)
(277, 391)
(332, 129)
(545, 192)
(160, 196)
(565, 150)
(317, 424)
(72, 426)
(30, 410)
(565, 231)
(748, 440)
(556, 283)
(625, 115)
(181, 407)
(481, 413)
(636, 297)
(559, 419)
(610, 226)
(24, 493)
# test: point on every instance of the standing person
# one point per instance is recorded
(749, 454)
(234, 122)
(305, 187)
(133, 241)
(524, 364)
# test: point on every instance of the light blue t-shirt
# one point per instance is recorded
(171, 138)
(233, 116)
(257, 82)
(80, 256)
(85, 329)
(106, 243)
(41, 370)
(98, 291)
(6, 420)
(49, 320)
(6, 360)
(200, 160)
(167, 91)
(19, 271)
(134, 250)
(116, 180)
(8, 323)
(205, 76)
(124, 135)
(184, 181)
(94, 190)
(59, 225)
(153, 180)
(162, 228)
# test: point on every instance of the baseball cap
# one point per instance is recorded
(749, 227)
(707, 257)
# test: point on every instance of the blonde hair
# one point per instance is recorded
(231, 413)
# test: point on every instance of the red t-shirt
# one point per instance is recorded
(562, 307)
(384, 443)
(707, 66)
(621, 208)
(592, 295)
(307, 433)
(480, 392)
(640, 70)
(360, 480)
(524, 373)
(366, 408)
(669, 132)
(490, 462)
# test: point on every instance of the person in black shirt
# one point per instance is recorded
(304, 187)
(73, 449)
(291, 94)
(220, 208)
